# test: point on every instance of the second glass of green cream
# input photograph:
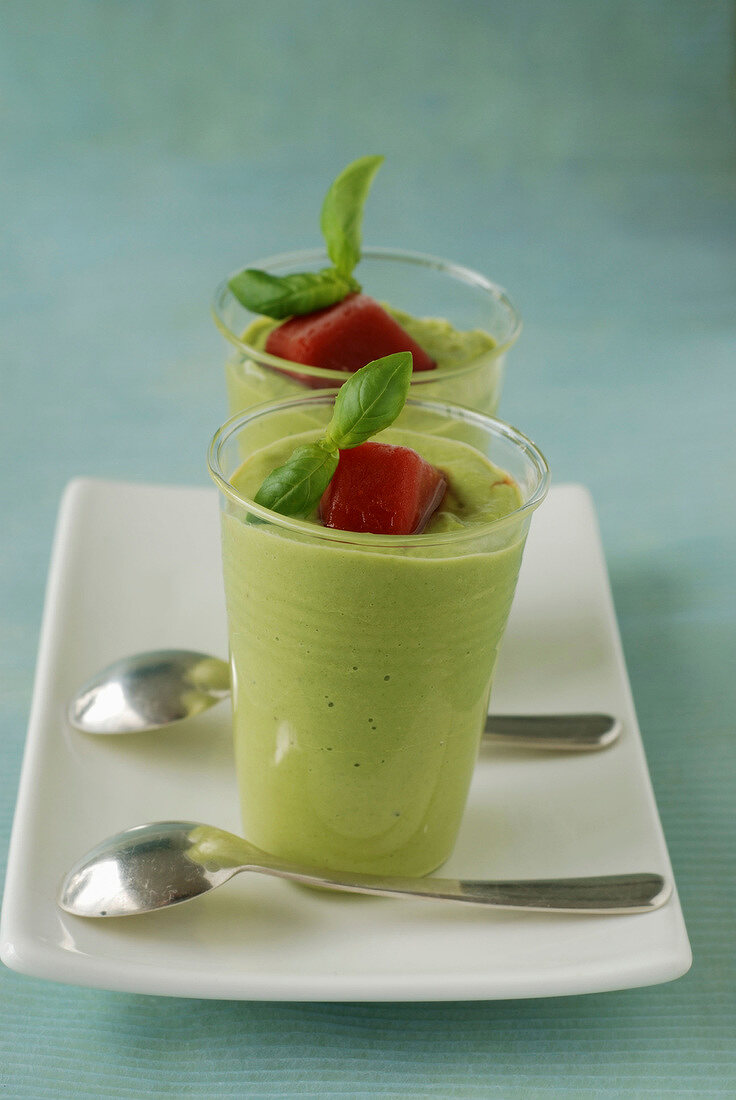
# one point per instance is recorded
(464, 321)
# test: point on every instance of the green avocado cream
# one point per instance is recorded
(362, 668)
(450, 348)
(469, 366)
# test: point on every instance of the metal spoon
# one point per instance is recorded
(151, 690)
(154, 866)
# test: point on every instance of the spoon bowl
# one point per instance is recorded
(149, 691)
(156, 866)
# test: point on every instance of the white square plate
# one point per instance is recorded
(137, 567)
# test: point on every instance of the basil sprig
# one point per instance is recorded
(342, 213)
(369, 401)
(280, 296)
(294, 488)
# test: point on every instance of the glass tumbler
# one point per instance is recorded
(419, 285)
(362, 664)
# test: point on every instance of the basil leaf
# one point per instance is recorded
(370, 400)
(295, 488)
(342, 212)
(280, 296)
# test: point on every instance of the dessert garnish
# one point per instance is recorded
(327, 321)
(370, 401)
(344, 337)
(382, 488)
(386, 489)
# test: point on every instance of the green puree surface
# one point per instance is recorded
(470, 366)
(448, 346)
(361, 675)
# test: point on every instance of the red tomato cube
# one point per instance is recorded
(343, 337)
(384, 489)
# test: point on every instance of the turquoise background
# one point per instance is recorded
(582, 154)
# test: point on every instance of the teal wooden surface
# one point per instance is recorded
(583, 155)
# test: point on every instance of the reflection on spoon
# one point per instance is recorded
(151, 690)
(155, 866)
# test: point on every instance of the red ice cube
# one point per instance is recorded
(384, 489)
(343, 337)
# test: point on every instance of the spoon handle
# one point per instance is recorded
(625, 893)
(552, 731)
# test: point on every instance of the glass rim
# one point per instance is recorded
(365, 539)
(421, 259)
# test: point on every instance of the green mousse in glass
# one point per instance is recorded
(362, 665)
(470, 362)
(305, 320)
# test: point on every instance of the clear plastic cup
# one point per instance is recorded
(362, 664)
(422, 286)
